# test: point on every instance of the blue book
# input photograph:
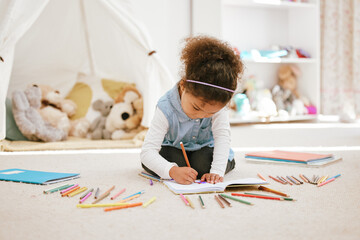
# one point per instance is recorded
(35, 177)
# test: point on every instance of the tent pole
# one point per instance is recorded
(87, 38)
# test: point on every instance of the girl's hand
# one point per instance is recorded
(183, 175)
(211, 178)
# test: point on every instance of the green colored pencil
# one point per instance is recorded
(285, 198)
(57, 189)
(236, 199)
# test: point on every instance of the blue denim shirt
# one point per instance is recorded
(194, 133)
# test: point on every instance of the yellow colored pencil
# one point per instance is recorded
(77, 192)
(149, 202)
(100, 205)
(190, 202)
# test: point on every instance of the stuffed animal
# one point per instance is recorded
(125, 117)
(97, 127)
(285, 92)
(26, 106)
(57, 110)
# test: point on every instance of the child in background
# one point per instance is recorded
(194, 112)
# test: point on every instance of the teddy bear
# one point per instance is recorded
(58, 111)
(285, 93)
(124, 120)
(26, 106)
(97, 127)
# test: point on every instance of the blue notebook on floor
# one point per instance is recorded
(35, 177)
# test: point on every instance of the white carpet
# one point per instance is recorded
(328, 212)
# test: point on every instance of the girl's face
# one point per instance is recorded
(197, 108)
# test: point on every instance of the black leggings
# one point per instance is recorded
(200, 160)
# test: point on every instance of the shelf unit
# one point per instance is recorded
(260, 24)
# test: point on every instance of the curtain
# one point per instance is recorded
(340, 57)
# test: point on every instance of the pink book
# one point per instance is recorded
(292, 156)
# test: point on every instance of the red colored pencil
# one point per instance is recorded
(256, 196)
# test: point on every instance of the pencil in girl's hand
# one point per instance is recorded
(260, 176)
(184, 153)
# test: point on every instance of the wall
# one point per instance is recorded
(168, 23)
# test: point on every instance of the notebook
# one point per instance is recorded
(204, 187)
(277, 156)
(35, 177)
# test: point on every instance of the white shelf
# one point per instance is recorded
(269, 4)
(282, 60)
(260, 25)
(245, 120)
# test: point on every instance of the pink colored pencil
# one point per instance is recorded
(116, 195)
(323, 183)
(184, 199)
(86, 196)
(74, 186)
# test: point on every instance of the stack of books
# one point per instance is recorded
(277, 156)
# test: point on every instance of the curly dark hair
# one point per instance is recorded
(207, 59)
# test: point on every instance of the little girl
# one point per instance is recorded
(194, 112)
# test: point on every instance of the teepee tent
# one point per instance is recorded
(53, 42)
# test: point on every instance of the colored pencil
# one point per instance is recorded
(256, 196)
(190, 202)
(326, 182)
(292, 180)
(277, 180)
(184, 153)
(287, 181)
(124, 206)
(304, 178)
(151, 182)
(118, 194)
(285, 198)
(184, 199)
(201, 202)
(138, 193)
(70, 191)
(236, 199)
(101, 198)
(109, 190)
(129, 198)
(219, 202)
(284, 182)
(90, 205)
(149, 202)
(69, 188)
(149, 177)
(56, 189)
(297, 180)
(86, 193)
(273, 191)
(224, 200)
(336, 176)
(83, 189)
(260, 176)
(97, 193)
(85, 197)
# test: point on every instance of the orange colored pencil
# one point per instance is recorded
(273, 191)
(184, 153)
(70, 191)
(124, 206)
(219, 202)
(260, 176)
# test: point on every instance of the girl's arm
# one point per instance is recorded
(221, 133)
(149, 155)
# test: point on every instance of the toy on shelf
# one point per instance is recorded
(275, 52)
